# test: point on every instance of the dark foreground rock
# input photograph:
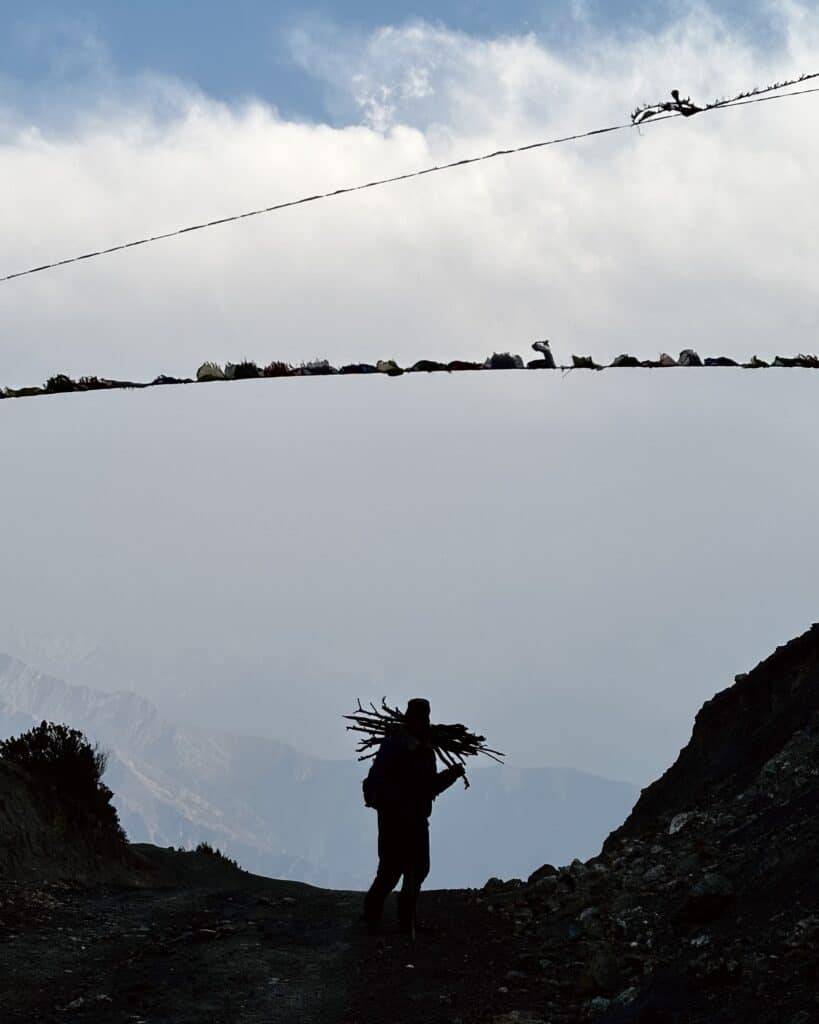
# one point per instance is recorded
(208, 943)
(703, 907)
(209, 949)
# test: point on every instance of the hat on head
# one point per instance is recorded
(418, 707)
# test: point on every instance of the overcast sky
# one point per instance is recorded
(700, 231)
(570, 564)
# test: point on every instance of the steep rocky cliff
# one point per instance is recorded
(704, 905)
(735, 735)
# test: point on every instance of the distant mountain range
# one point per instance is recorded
(286, 814)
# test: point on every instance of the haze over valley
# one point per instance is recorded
(285, 814)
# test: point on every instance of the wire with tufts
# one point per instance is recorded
(686, 108)
(654, 112)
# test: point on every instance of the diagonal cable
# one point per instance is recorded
(742, 100)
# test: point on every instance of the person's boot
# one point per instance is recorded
(371, 915)
(408, 918)
(406, 914)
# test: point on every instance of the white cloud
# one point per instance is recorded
(700, 232)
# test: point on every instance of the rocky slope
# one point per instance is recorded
(736, 734)
(703, 907)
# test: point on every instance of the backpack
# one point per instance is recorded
(370, 789)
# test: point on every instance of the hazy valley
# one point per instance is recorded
(286, 814)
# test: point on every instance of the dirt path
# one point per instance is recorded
(193, 939)
(263, 953)
(258, 951)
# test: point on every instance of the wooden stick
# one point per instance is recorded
(451, 743)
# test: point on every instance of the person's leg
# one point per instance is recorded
(390, 866)
(416, 870)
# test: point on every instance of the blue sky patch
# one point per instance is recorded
(243, 49)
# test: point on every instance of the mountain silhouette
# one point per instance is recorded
(283, 813)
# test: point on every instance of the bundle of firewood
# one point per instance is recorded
(452, 743)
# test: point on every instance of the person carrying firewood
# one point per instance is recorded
(401, 785)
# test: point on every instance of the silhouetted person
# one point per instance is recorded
(401, 785)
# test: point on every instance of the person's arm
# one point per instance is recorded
(445, 778)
